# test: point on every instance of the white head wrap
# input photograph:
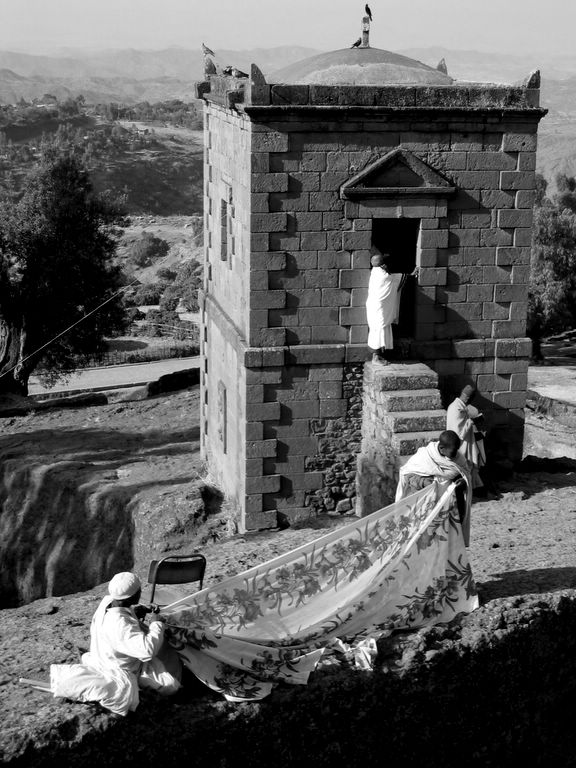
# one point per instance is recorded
(124, 585)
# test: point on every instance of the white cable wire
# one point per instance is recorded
(35, 352)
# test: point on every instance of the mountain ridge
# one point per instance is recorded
(134, 75)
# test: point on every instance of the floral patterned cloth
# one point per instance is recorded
(402, 567)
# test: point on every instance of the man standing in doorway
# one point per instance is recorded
(382, 305)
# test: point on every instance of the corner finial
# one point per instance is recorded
(441, 66)
(533, 79)
(209, 67)
(365, 33)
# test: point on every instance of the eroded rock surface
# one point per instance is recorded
(88, 492)
(495, 689)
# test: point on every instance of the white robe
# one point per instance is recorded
(458, 419)
(123, 654)
(429, 462)
(382, 307)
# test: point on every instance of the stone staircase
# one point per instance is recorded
(402, 411)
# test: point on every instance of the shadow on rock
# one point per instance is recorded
(523, 582)
(494, 689)
(534, 475)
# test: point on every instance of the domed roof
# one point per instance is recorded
(360, 66)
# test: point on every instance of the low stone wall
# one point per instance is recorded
(495, 688)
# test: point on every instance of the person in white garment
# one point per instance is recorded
(125, 654)
(382, 305)
(464, 419)
(439, 460)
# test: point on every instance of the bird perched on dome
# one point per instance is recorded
(357, 43)
(207, 51)
(368, 11)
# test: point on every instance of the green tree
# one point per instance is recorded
(541, 187)
(566, 197)
(147, 294)
(551, 300)
(57, 243)
(185, 287)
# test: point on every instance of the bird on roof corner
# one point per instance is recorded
(441, 66)
(207, 51)
(368, 11)
(357, 43)
(209, 66)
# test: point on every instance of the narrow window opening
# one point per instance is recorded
(223, 230)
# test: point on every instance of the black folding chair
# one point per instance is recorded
(176, 569)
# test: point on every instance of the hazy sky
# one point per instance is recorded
(516, 26)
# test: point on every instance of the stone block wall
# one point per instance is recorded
(304, 423)
(301, 286)
(339, 442)
(227, 174)
(474, 245)
(223, 405)
(225, 301)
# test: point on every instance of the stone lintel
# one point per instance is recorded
(341, 112)
(396, 191)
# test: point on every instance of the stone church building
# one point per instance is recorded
(303, 174)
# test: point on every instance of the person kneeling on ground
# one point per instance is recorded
(439, 460)
(124, 654)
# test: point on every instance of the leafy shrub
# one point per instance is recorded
(166, 275)
(185, 286)
(148, 293)
(148, 249)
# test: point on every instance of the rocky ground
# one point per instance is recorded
(523, 542)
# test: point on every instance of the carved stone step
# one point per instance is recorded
(399, 376)
(412, 400)
(407, 443)
(416, 421)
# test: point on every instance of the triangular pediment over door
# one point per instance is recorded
(397, 173)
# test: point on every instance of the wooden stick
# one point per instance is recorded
(41, 685)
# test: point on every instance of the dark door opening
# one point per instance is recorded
(399, 238)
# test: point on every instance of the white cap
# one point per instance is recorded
(124, 585)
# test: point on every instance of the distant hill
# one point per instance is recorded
(130, 76)
(477, 66)
(125, 75)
